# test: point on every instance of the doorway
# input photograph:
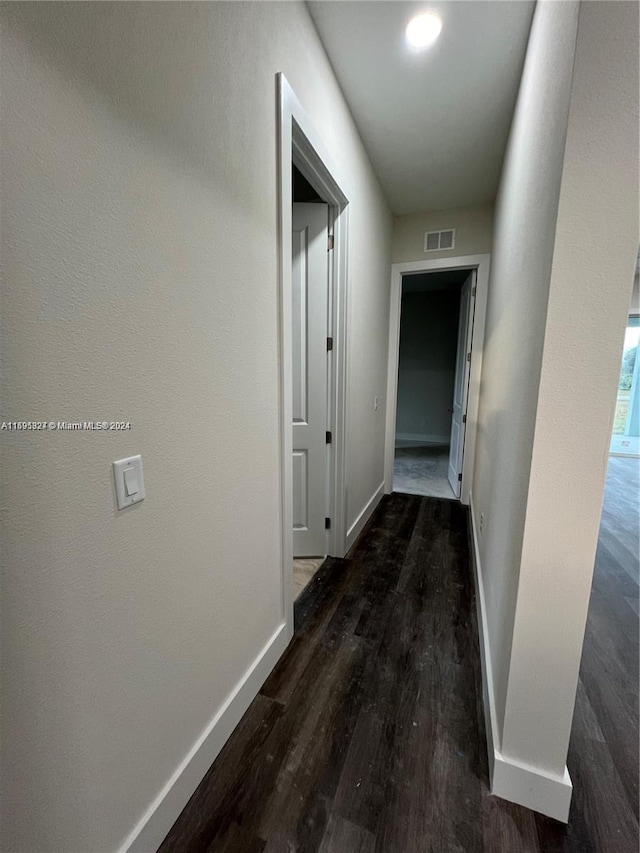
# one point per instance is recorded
(625, 438)
(435, 319)
(313, 221)
(311, 370)
(436, 336)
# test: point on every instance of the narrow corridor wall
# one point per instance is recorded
(564, 247)
(139, 249)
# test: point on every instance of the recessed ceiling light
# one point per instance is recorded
(423, 30)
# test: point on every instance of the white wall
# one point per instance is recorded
(557, 308)
(578, 383)
(427, 364)
(473, 232)
(522, 252)
(140, 283)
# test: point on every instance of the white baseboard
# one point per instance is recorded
(163, 812)
(488, 698)
(358, 525)
(411, 438)
(527, 786)
(532, 788)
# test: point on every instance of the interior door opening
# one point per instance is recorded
(308, 175)
(434, 356)
(311, 372)
(625, 438)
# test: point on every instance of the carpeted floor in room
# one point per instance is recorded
(422, 471)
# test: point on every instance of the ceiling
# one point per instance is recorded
(435, 123)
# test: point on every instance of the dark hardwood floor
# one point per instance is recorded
(369, 734)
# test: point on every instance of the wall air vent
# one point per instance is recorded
(438, 241)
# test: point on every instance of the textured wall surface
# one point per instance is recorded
(565, 243)
(427, 364)
(139, 249)
(524, 233)
(473, 232)
(586, 318)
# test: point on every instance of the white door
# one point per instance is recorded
(461, 383)
(310, 311)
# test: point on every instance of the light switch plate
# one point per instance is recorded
(119, 468)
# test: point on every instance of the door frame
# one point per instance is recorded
(465, 326)
(464, 262)
(300, 144)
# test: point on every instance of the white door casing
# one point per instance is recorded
(309, 322)
(480, 263)
(299, 143)
(461, 383)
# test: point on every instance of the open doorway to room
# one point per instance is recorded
(311, 378)
(430, 322)
(608, 686)
(436, 336)
(313, 235)
(434, 355)
(625, 438)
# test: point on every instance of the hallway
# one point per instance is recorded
(163, 683)
(369, 734)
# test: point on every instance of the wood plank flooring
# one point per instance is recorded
(368, 737)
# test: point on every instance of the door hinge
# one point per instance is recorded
(329, 344)
(327, 524)
(473, 291)
(328, 437)
(468, 356)
(464, 419)
(329, 242)
(460, 477)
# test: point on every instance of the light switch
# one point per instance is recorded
(129, 480)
